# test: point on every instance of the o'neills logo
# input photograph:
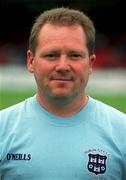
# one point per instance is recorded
(25, 157)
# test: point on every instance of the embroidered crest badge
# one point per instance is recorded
(97, 163)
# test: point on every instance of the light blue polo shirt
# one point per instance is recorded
(36, 145)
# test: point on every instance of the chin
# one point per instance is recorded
(61, 93)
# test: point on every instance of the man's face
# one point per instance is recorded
(61, 64)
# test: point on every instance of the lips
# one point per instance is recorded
(62, 78)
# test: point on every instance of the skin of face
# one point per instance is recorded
(61, 63)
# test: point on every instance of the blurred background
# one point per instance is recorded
(108, 81)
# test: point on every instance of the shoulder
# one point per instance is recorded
(11, 114)
(109, 121)
(13, 123)
(107, 116)
(21, 106)
(14, 120)
(107, 111)
(11, 111)
(110, 118)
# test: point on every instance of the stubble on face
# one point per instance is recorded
(62, 87)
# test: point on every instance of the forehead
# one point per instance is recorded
(56, 32)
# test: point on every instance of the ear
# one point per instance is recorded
(30, 61)
(92, 60)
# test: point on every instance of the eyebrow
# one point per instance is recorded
(67, 51)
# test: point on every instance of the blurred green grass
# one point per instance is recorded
(8, 98)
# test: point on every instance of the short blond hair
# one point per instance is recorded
(67, 17)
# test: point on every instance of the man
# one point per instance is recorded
(61, 133)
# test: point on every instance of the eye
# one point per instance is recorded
(75, 56)
(50, 56)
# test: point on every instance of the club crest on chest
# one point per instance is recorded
(97, 163)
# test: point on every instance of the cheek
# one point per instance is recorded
(38, 73)
(43, 66)
(83, 74)
(39, 68)
(42, 74)
(83, 70)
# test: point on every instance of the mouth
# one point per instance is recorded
(60, 79)
(63, 79)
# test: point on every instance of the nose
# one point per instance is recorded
(63, 64)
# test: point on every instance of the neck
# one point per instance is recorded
(63, 107)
